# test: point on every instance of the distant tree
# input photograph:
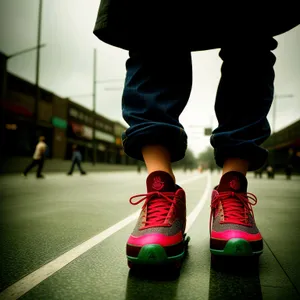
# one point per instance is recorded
(189, 162)
(206, 159)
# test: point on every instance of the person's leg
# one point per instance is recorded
(235, 164)
(40, 163)
(72, 167)
(157, 158)
(157, 88)
(30, 166)
(82, 172)
(243, 100)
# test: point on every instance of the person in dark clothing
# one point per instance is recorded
(76, 160)
(160, 37)
(258, 173)
(139, 166)
(289, 166)
(270, 172)
(288, 171)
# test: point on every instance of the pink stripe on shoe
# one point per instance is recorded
(233, 234)
(155, 238)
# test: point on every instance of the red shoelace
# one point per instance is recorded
(236, 207)
(158, 206)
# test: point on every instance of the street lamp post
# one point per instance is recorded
(37, 73)
(95, 82)
(26, 50)
(207, 129)
(94, 108)
(94, 95)
(4, 67)
(274, 107)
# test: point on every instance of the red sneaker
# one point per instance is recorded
(158, 237)
(233, 231)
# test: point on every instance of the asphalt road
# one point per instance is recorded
(64, 238)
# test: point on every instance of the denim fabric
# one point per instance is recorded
(158, 86)
(243, 100)
(76, 156)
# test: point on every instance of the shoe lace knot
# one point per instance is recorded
(157, 205)
(237, 207)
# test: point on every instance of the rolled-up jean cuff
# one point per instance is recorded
(171, 137)
(255, 155)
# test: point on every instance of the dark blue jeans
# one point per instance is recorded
(77, 162)
(158, 85)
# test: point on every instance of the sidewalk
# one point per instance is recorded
(18, 164)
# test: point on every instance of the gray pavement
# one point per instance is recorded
(61, 238)
(16, 165)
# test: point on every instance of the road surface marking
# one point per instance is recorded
(194, 214)
(24, 285)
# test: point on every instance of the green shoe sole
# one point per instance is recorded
(236, 247)
(155, 255)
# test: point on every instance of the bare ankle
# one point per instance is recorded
(235, 164)
(157, 158)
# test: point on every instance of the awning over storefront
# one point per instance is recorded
(16, 109)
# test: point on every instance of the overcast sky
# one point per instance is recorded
(67, 63)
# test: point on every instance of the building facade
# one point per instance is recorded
(80, 132)
(284, 147)
(62, 122)
(121, 157)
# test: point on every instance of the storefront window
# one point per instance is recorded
(73, 112)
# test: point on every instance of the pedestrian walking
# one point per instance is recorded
(289, 164)
(288, 171)
(139, 166)
(258, 173)
(270, 172)
(160, 38)
(76, 160)
(38, 158)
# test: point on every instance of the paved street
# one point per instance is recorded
(64, 238)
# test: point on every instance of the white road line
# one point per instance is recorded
(27, 283)
(195, 177)
(194, 214)
(24, 285)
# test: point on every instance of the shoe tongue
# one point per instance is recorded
(233, 181)
(160, 181)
